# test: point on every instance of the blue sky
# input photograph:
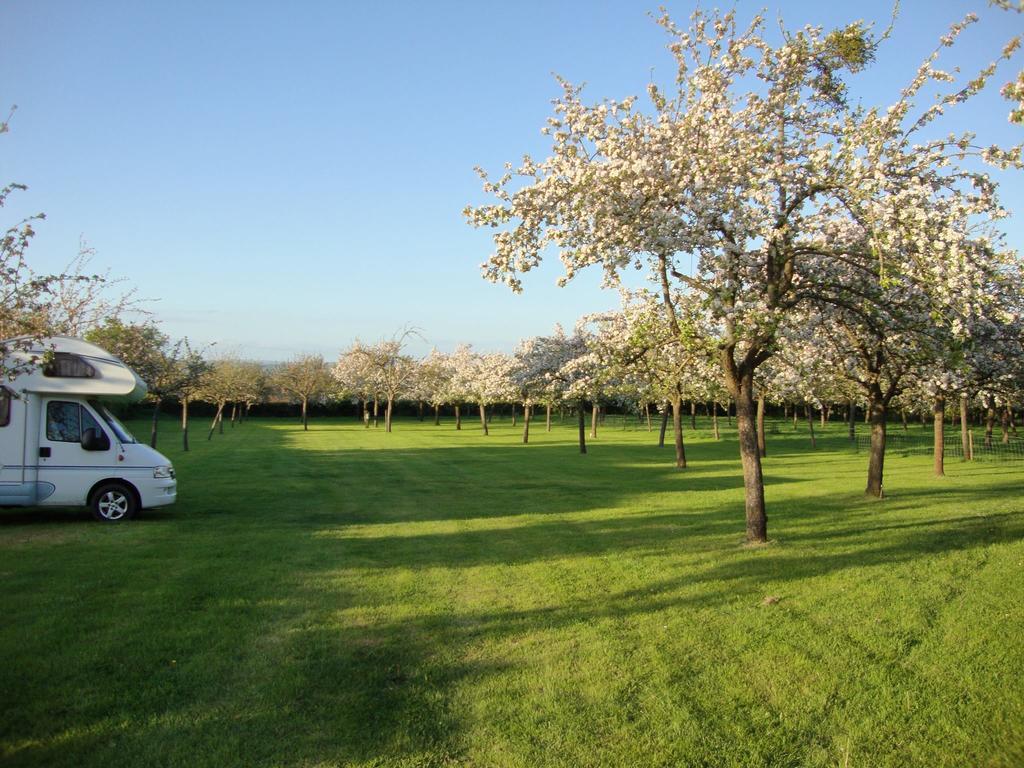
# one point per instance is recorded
(286, 177)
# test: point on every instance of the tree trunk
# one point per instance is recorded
(376, 412)
(965, 443)
(852, 419)
(939, 435)
(234, 413)
(762, 446)
(693, 415)
(513, 414)
(664, 428)
(388, 410)
(714, 421)
(1004, 424)
(753, 479)
(216, 418)
(824, 415)
(810, 423)
(990, 420)
(458, 418)
(526, 423)
(156, 420)
(483, 418)
(795, 420)
(184, 424)
(548, 417)
(876, 462)
(582, 427)
(220, 418)
(593, 420)
(437, 415)
(305, 414)
(677, 431)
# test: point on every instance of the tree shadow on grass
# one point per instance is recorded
(44, 516)
(460, 482)
(873, 540)
(418, 658)
(815, 520)
(335, 695)
(523, 543)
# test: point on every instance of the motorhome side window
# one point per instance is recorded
(5, 407)
(66, 421)
(67, 366)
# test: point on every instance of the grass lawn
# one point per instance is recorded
(431, 597)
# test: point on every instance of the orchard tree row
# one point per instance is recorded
(632, 359)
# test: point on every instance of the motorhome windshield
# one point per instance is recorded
(118, 428)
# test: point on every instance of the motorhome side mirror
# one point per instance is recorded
(92, 440)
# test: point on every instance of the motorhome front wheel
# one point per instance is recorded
(113, 503)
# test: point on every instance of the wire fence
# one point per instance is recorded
(979, 447)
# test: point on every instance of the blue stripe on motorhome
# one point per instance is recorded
(70, 466)
(25, 493)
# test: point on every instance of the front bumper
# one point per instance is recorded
(159, 493)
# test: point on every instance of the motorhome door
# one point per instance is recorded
(64, 459)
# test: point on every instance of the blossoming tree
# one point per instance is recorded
(744, 168)
(354, 374)
(638, 342)
(484, 378)
(392, 372)
(303, 378)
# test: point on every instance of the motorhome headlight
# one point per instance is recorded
(163, 472)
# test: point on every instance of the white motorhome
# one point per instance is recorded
(59, 443)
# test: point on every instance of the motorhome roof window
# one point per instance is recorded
(64, 365)
(5, 406)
